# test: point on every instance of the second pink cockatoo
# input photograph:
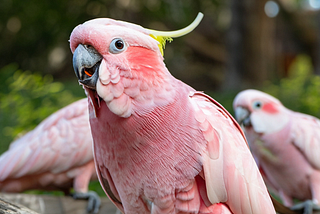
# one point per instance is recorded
(159, 145)
(286, 146)
(56, 155)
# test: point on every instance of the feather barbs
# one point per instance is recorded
(162, 41)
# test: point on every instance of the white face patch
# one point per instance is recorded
(265, 123)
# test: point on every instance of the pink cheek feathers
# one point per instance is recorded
(270, 108)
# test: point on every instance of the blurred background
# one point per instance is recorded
(273, 46)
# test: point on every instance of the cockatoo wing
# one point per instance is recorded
(306, 136)
(60, 142)
(230, 173)
(109, 188)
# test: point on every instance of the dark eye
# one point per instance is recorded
(257, 105)
(117, 46)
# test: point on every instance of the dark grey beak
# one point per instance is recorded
(86, 62)
(242, 116)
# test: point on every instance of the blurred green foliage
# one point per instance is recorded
(300, 91)
(26, 99)
(33, 33)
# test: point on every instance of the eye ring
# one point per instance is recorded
(257, 105)
(117, 45)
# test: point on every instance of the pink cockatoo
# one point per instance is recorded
(159, 145)
(286, 146)
(56, 155)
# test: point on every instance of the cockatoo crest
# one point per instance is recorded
(162, 41)
(162, 36)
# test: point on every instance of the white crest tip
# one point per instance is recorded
(181, 32)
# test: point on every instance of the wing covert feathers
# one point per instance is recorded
(60, 142)
(306, 136)
(228, 161)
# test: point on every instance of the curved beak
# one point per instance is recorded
(242, 116)
(86, 62)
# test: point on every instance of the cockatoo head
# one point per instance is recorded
(261, 111)
(120, 61)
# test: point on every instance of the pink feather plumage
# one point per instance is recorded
(159, 145)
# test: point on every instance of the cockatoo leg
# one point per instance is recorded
(82, 176)
(94, 201)
(315, 187)
(287, 200)
(307, 207)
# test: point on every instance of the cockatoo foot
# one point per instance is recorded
(94, 201)
(306, 207)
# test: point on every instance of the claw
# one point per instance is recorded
(306, 207)
(94, 201)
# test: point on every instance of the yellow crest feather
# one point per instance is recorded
(162, 41)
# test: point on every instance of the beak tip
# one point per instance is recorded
(242, 115)
(76, 62)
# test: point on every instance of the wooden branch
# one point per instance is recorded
(7, 207)
(49, 204)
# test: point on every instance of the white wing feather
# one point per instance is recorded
(306, 136)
